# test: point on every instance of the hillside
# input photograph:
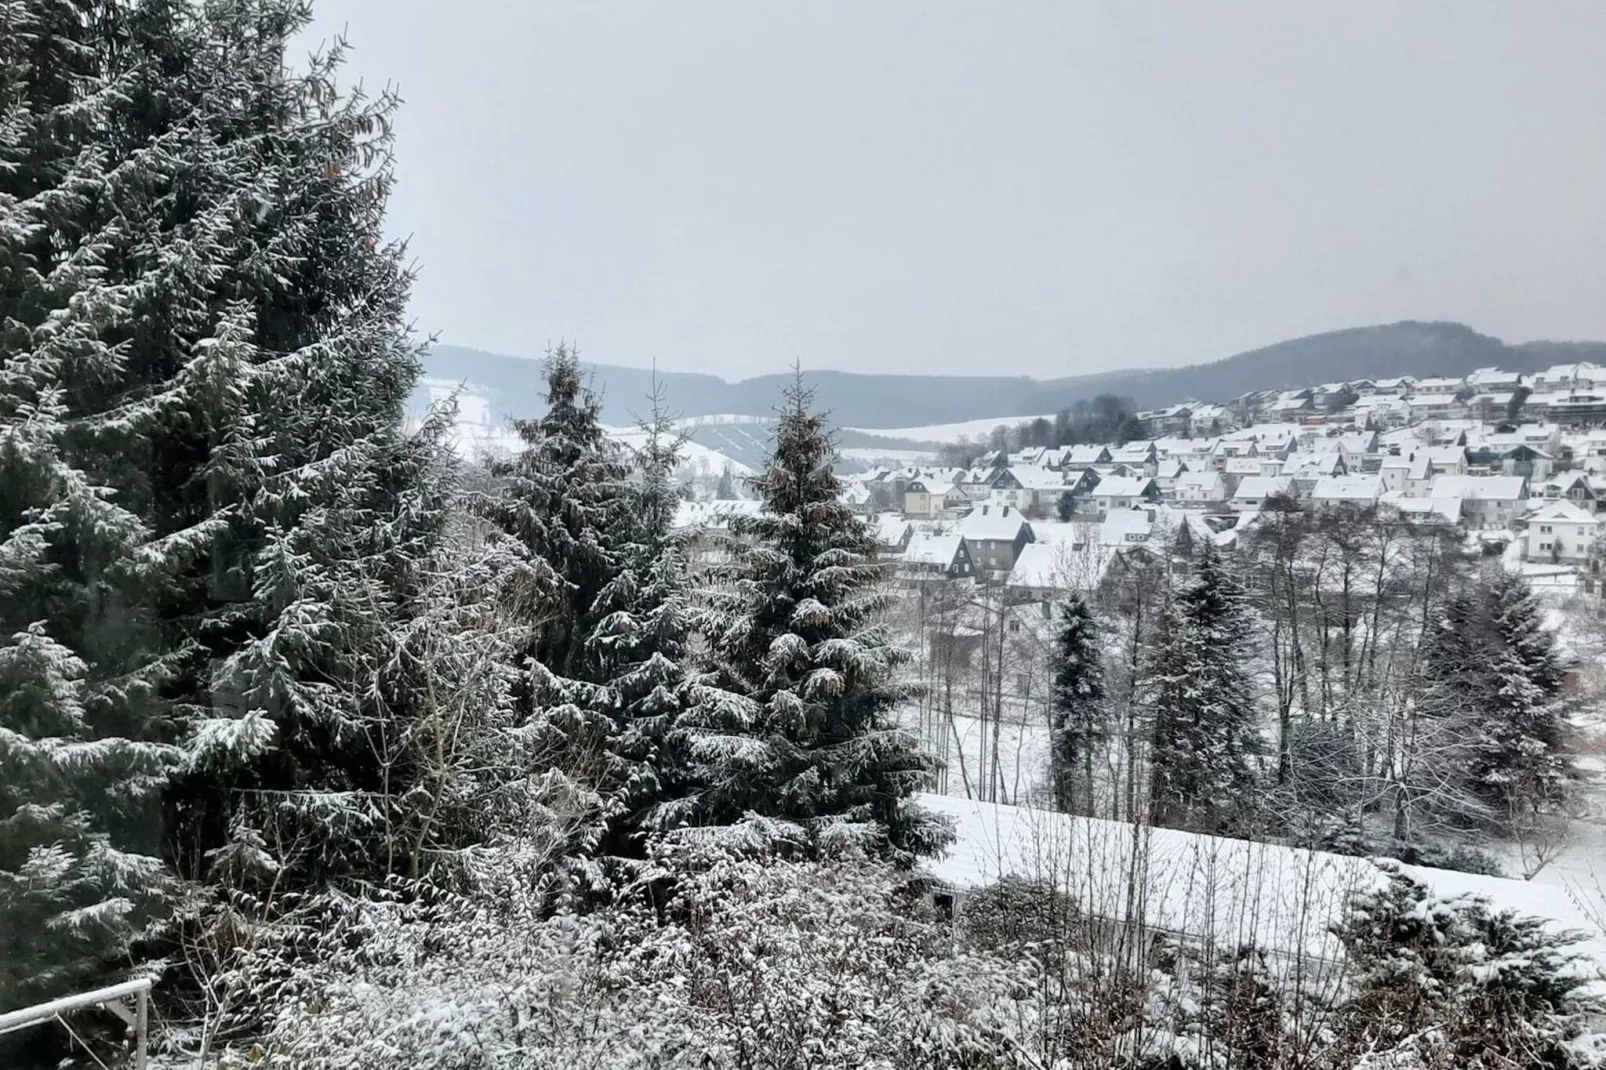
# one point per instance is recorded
(910, 401)
(852, 399)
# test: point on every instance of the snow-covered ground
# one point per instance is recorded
(971, 429)
(694, 455)
(870, 456)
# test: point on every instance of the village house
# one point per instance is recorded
(1171, 420)
(1037, 491)
(919, 496)
(1580, 408)
(892, 533)
(1381, 411)
(1422, 510)
(1077, 457)
(1200, 489)
(1561, 531)
(1292, 405)
(1530, 462)
(1346, 490)
(1308, 469)
(1212, 420)
(1486, 501)
(1493, 379)
(930, 557)
(1574, 487)
(1124, 492)
(1045, 570)
(1564, 377)
(1252, 492)
(1166, 473)
(994, 536)
(1141, 455)
(1410, 475)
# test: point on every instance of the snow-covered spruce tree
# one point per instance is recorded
(79, 876)
(798, 628)
(1204, 738)
(644, 647)
(1491, 673)
(1523, 765)
(1077, 701)
(565, 501)
(290, 509)
(80, 750)
(229, 345)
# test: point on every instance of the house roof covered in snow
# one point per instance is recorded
(1361, 488)
(992, 523)
(1479, 488)
(926, 548)
(1563, 512)
(1123, 486)
(889, 529)
(1257, 487)
(1446, 509)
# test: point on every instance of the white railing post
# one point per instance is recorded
(142, 1018)
(110, 997)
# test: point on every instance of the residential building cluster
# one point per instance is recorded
(1515, 462)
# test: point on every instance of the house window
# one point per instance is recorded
(1544, 529)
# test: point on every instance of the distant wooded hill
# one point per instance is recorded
(855, 400)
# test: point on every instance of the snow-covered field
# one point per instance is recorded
(906, 458)
(694, 455)
(971, 429)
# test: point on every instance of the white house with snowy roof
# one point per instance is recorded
(1564, 377)
(1252, 492)
(1347, 490)
(1486, 501)
(1200, 489)
(1124, 492)
(1410, 474)
(1561, 531)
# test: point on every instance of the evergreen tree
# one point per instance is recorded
(1204, 736)
(218, 517)
(1490, 667)
(726, 489)
(1079, 714)
(1454, 982)
(564, 502)
(645, 646)
(80, 751)
(798, 630)
(1523, 764)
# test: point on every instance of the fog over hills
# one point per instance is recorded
(514, 387)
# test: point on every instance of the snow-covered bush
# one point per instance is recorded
(720, 960)
(1454, 982)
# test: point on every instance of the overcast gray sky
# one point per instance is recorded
(1000, 186)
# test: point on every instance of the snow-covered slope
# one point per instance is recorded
(971, 429)
(698, 458)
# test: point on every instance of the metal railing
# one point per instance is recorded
(111, 997)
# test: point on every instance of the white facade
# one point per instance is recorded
(1561, 531)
